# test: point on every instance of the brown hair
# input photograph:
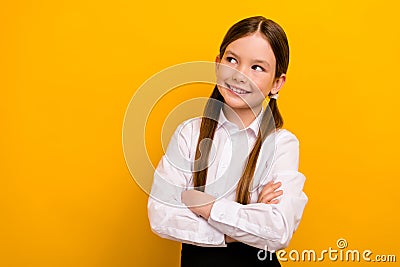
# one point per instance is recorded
(279, 44)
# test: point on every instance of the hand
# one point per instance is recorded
(229, 239)
(269, 193)
(198, 202)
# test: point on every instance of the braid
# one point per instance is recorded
(273, 105)
(209, 124)
(267, 125)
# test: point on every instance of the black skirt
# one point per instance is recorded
(235, 254)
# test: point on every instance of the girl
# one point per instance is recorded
(228, 186)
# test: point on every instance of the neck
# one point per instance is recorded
(242, 117)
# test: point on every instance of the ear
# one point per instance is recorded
(217, 61)
(278, 83)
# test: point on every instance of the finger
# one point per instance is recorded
(277, 193)
(276, 185)
(269, 197)
(272, 195)
(264, 195)
(269, 187)
(274, 201)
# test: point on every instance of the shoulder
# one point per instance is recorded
(286, 138)
(189, 127)
(187, 132)
(287, 151)
(286, 134)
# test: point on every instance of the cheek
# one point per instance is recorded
(263, 83)
(224, 72)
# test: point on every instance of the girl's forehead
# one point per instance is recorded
(253, 47)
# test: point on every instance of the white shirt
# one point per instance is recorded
(266, 226)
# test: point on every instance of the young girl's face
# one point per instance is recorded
(250, 73)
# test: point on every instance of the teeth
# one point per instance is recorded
(237, 90)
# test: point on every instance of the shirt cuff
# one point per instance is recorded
(224, 215)
(206, 235)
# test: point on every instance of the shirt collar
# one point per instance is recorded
(253, 127)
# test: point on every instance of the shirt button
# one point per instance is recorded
(221, 216)
(210, 239)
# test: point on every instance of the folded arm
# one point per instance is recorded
(267, 226)
(168, 216)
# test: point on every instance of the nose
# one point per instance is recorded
(239, 76)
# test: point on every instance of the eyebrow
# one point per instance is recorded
(255, 60)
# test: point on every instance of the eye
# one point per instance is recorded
(231, 60)
(257, 68)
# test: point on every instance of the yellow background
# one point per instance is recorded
(69, 69)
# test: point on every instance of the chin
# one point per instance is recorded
(236, 103)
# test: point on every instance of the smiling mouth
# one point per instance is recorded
(237, 90)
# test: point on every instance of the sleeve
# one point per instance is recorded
(169, 217)
(268, 226)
